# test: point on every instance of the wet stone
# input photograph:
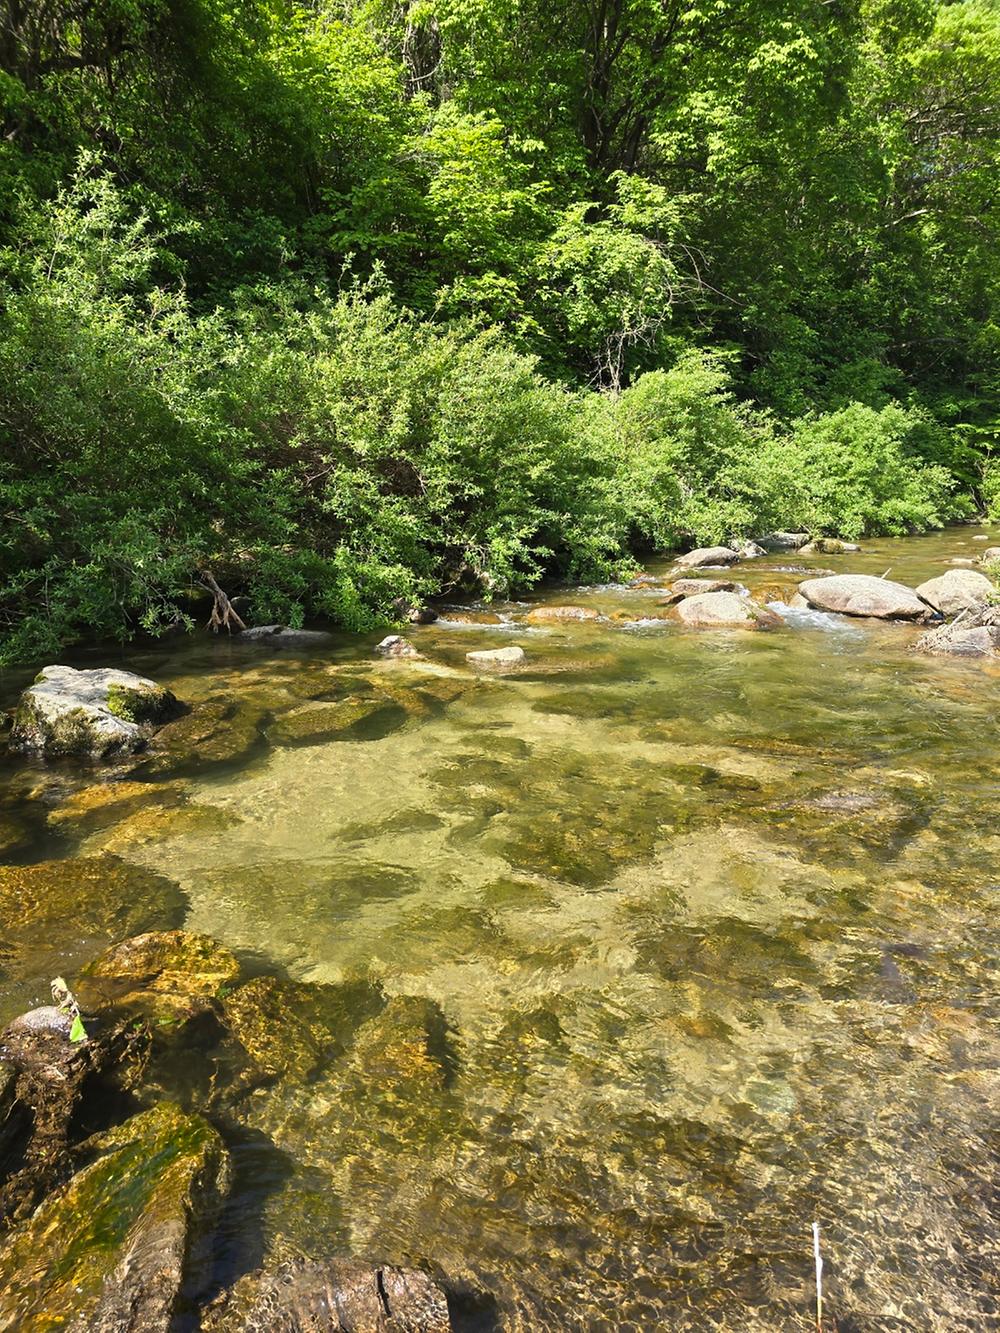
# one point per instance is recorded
(216, 734)
(497, 659)
(57, 914)
(707, 556)
(556, 615)
(110, 1252)
(284, 636)
(168, 975)
(335, 1296)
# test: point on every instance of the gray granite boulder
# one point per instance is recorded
(97, 714)
(956, 590)
(864, 595)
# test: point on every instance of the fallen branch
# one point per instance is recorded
(223, 616)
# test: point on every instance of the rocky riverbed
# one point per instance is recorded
(563, 988)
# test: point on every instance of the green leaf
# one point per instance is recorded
(78, 1032)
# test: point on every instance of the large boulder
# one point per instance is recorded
(110, 1252)
(99, 714)
(722, 610)
(708, 556)
(974, 633)
(956, 590)
(864, 595)
(337, 1296)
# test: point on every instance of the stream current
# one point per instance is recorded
(709, 918)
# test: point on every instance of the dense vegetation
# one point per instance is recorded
(359, 300)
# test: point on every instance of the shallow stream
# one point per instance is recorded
(710, 917)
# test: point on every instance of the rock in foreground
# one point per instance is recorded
(708, 556)
(956, 590)
(107, 1254)
(340, 1296)
(723, 610)
(99, 714)
(864, 595)
(165, 974)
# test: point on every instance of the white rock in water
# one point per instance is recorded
(98, 714)
(394, 645)
(497, 658)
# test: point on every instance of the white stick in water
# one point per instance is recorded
(819, 1279)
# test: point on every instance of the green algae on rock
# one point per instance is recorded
(215, 734)
(165, 975)
(97, 714)
(110, 1252)
(356, 718)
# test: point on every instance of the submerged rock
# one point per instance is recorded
(166, 975)
(394, 645)
(357, 718)
(283, 636)
(55, 914)
(294, 1028)
(554, 615)
(338, 1296)
(724, 609)
(956, 590)
(497, 659)
(110, 1252)
(975, 633)
(864, 595)
(708, 555)
(99, 714)
(214, 734)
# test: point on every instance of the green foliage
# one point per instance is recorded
(363, 301)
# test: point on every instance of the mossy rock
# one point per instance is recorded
(289, 1028)
(99, 714)
(111, 1251)
(166, 975)
(354, 719)
(153, 823)
(104, 803)
(57, 914)
(221, 733)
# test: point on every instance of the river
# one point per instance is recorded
(708, 919)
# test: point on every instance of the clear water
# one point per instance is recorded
(710, 918)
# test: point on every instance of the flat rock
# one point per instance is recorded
(284, 636)
(97, 714)
(552, 615)
(108, 1252)
(864, 595)
(394, 645)
(692, 587)
(336, 1296)
(724, 610)
(956, 590)
(497, 659)
(708, 555)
